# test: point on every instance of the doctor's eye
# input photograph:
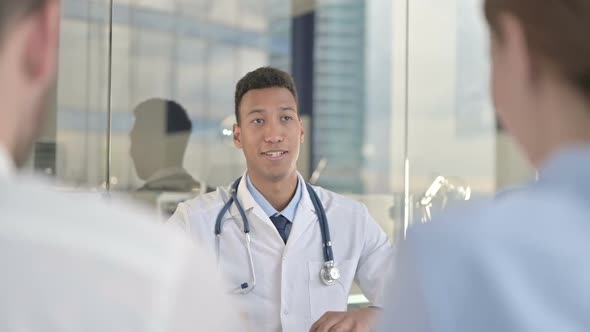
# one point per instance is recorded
(257, 121)
(286, 118)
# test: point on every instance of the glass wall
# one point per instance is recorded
(81, 117)
(451, 130)
(393, 94)
(181, 60)
(453, 150)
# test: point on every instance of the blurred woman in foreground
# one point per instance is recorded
(520, 261)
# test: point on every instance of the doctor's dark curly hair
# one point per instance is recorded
(262, 78)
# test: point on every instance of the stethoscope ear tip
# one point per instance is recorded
(244, 285)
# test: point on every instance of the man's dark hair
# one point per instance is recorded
(262, 78)
(11, 9)
(153, 111)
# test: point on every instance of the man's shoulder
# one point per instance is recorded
(499, 245)
(88, 224)
(79, 246)
(331, 197)
(523, 218)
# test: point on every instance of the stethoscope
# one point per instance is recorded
(329, 273)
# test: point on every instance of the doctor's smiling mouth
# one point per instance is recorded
(275, 154)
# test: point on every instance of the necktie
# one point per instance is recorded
(282, 224)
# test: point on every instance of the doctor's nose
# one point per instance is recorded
(273, 139)
(273, 134)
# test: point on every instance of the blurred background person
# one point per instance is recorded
(159, 138)
(518, 262)
(69, 263)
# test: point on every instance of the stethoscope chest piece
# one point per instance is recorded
(329, 274)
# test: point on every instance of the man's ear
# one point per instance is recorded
(41, 46)
(237, 136)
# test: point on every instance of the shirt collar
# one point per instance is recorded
(7, 168)
(569, 166)
(269, 210)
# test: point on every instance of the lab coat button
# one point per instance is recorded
(286, 312)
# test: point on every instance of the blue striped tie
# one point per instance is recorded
(283, 225)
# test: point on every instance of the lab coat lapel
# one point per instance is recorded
(305, 217)
(253, 211)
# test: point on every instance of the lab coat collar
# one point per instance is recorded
(248, 204)
(7, 167)
(305, 202)
(288, 212)
(304, 217)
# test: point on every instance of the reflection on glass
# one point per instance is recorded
(341, 52)
(159, 138)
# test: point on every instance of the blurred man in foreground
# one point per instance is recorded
(74, 264)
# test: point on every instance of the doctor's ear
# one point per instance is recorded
(237, 136)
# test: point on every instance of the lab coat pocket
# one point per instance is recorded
(323, 298)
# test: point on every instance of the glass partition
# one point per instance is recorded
(393, 94)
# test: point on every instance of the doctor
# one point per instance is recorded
(292, 269)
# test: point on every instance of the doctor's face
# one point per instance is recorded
(269, 133)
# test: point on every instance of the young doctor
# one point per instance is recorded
(291, 250)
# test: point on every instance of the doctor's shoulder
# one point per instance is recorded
(354, 210)
(200, 211)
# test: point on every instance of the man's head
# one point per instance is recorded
(159, 137)
(268, 127)
(262, 78)
(29, 32)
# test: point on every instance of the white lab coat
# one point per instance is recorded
(518, 262)
(289, 295)
(72, 263)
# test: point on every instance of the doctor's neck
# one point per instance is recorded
(277, 191)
